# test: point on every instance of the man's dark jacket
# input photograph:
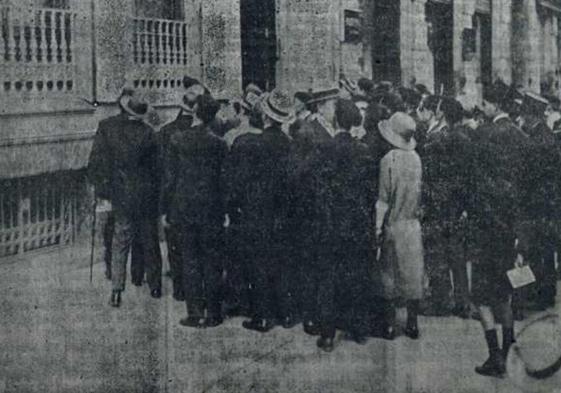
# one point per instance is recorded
(123, 165)
(193, 177)
(258, 177)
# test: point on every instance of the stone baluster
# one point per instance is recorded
(157, 45)
(135, 40)
(69, 24)
(184, 43)
(59, 34)
(39, 29)
(149, 33)
(49, 35)
(178, 42)
(163, 41)
(171, 42)
(14, 32)
(142, 35)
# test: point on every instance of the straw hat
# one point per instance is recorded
(398, 130)
(277, 105)
(534, 361)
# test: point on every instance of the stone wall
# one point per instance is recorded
(416, 58)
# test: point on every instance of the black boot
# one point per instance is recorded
(388, 329)
(195, 317)
(508, 340)
(494, 366)
(325, 343)
(115, 299)
(412, 327)
(259, 325)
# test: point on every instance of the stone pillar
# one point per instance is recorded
(221, 46)
(308, 44)
(501, 21)
(416, 58)
(113, 46)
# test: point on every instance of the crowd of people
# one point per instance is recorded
(332, 208)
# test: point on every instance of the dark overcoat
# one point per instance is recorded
(123, 165)
(193, 178)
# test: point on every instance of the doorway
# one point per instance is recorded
(441, 18)
(386, 65)
(258, 43)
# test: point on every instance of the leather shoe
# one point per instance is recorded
(412, 332)
(179, 295)
(388, 333)
(357, 338)
(258, 325)
(289, 322)
(311, 328)
(196, 322)
(494, 366)
(115, 299)
(213, 322)
(325, 344)
(156, 293)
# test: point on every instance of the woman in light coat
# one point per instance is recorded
(398, 229)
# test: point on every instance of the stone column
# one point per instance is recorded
(416, 58)
(221, 46)
(501, 21)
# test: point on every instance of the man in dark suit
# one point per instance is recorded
(344, 180)
(123, 169)
(540, 200)
(182, 123)
(495, 212)
(194, 205)
(304, 217)
(258, 204)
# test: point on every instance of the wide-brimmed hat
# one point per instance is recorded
(534, 361)
(534, 103)
(277, 105)
(398, 130)
(323, 95)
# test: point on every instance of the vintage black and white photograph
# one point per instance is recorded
(280, 196)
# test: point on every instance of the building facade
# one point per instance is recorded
(63, 63)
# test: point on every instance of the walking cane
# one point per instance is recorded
(94, 219)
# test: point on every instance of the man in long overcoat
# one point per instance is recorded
(123, 168)
(304, 216)
(258, 197)
(192, 182)
(182, 123)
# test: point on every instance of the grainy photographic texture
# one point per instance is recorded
(304, 196)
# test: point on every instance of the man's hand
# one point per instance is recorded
(103, 205)
(519, 262)
(164, 221)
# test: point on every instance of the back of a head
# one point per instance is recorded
(431, 103)
(393, 102)
(452, 109)
(374, 114)
(347, 114)
(410, 97)
(207, 108)
(366, 85)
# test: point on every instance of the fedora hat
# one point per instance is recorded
(398, 130)
(133, 106)
(277, 105)
(534, 361)
(323, 95)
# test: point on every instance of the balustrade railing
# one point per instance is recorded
(160, 51)
(41, 50)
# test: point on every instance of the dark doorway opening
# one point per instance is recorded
(484, 25)
(441, 33)
(259, 43)
(386, 64)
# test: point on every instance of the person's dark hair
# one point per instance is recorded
(452, 109)
(207, 108)
(374, 114)
(366, 85)
(431, 103)
(255, 118)
(410, 97)
(393, 102)
(422, 89)
(347, 114)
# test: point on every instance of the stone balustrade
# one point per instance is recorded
(42, 58)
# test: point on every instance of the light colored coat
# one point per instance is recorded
(402, 263)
